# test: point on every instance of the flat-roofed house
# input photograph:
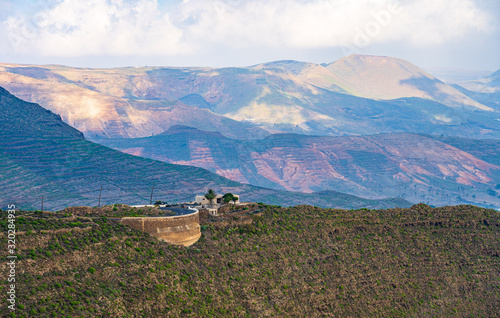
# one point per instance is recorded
(200, 199)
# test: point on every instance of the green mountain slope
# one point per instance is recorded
(43, 157)
(294, 262)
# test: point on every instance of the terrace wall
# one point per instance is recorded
(180, 230)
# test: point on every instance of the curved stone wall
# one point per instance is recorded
(179, 230)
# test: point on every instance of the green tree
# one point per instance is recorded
(210, 195)
(234, 199)
(228, 197)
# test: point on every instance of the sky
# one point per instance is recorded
(458, 34)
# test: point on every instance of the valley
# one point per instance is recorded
(371, 126)
(44, 159)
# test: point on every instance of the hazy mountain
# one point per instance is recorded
(416, 167)
(311, 73)
(495, 79)
(40, 156)
(248, 103)
(100, 110)
(454, 75)
(489, 84)
(380, 77)
(485, 95)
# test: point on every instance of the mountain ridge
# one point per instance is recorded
(386, 78)
(280, 96)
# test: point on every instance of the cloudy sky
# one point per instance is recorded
(462, 34)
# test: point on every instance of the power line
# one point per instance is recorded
(100, 192)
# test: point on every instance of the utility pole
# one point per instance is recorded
(151, 198)
(100, 192)
(41, 213)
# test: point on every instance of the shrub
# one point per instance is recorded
(91, 270)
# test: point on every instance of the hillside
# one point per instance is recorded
(495, 78)
(487, 85)
(250, 102)
(382, 77)
(43, 157)
(412, 166)
(290, 262)
(484, 149)
(103, 111)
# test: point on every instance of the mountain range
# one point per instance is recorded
(370, 126)
(44, 159)
(357, 95)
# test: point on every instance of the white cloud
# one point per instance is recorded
(95, 27)
(143, 27)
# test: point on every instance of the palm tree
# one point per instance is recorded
(210, 195)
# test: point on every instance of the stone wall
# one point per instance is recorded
(179, 230)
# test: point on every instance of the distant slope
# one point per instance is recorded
(106, 109)
(495, 78)
(485, 95)
(249, 103)
(484, 149)
(40, 156)
(381, 77)
(311, 73)
(486, 90)
(416, 167)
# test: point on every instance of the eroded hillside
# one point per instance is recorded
(357, 95)
(418, 168)
(44, 159)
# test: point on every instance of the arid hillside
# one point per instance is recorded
(289, 262)
(418, 168)
(44, 159)
(357, 95)
(383, 77)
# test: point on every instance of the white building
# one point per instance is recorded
(200, 199)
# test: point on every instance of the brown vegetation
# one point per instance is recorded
(289, 262)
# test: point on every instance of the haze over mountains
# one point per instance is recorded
(41, 156)
(391, 78)
(357, 95)
(489, 84)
